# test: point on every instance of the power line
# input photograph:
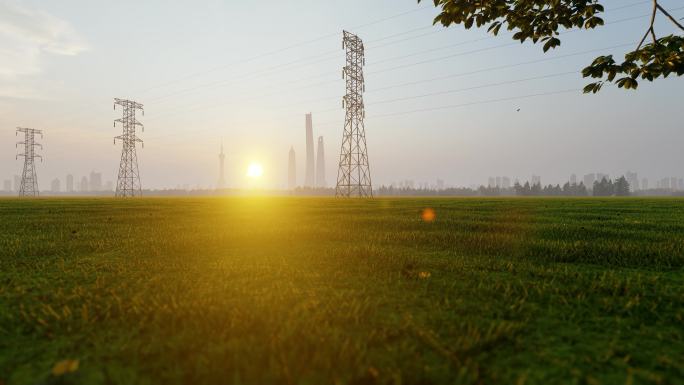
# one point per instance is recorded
(483, 70)
(319, 38)
(277, 51)
(261, 72)
(505, 66)
(390, 43)
(294, 64)
(265, 54)
(487, 49)
(452, 106)
(490, 85)
(565, 91)
(475, 87)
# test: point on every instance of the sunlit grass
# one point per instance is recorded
(318, 291)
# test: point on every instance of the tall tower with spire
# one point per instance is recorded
(222, 179)
(309, 177)
(320, 164)
(292, 171)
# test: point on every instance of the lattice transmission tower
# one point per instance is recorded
(353, 174)
(128, 183)
(29, 179)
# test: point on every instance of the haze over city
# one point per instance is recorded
(250, 81)
(341, 192)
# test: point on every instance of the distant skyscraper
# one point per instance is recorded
(320, 164)
(600, 177)
(589, 180)
(95, 183)
(644, 184)
(292, 170)
(70, 183)
(55, 186)
(673, 183)
(633, 180)
(84, 184)
(498, 182)
(7, 187)
(491, 182)
(536, 179)
(222, 179)
(506, 182)
(309, 176)
(665, 183)
(573, 179)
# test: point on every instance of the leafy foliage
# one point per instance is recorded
(654, 60)
(540, 21)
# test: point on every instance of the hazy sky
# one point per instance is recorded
(247, 72)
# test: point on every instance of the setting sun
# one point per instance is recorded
(255, 170)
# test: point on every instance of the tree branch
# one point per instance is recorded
(650, 26)
(669, 16)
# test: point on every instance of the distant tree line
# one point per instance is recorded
(550, 190)
(607, 187)
(410, 191)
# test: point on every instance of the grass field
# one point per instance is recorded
(323, 291)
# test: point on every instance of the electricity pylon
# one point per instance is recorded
(128, 183)
(353, 174)
(29, 179)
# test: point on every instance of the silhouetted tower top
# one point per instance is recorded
(320, 164)
(292, 170)
(309, 180)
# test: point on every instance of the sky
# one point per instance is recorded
(441, 103)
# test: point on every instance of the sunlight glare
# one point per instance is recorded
(255, 170)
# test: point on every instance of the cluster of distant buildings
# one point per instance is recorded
(504, 185)
(314, 175)
(672, 184)
(87, 184)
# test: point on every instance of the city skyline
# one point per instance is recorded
(58, 87)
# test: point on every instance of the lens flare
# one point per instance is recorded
(428, 215)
